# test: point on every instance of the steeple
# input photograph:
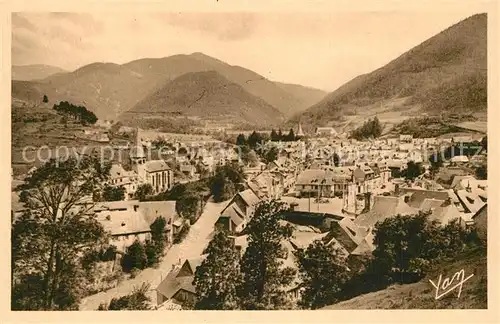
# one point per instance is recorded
(137, 151)
(300, 132)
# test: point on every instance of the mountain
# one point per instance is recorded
(208, 96)
(306, 95)
(446, 73)
(34, 72)
(110, 89)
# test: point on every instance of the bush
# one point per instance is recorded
(135, 257)
(179, 237)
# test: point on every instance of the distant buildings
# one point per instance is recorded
(326, 131)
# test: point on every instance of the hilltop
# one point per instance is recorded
(110, 89)
(34, 72)
(421, 295)
(208, 96)
(446, 73)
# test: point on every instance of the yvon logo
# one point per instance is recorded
(443, 287)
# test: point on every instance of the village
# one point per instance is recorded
(337, 189)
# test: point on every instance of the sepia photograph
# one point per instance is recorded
(241, 160)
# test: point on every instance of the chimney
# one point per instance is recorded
(396, 189)
(468, 188)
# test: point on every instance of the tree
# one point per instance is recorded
(45, 99)
(271, 154)
(406, 245)
(135, 258)
(264, 275)
(274, 136)
(413, 170)
(113, 193)
(154, 248)
(227, 181)
(46, 249)
(217, 278)
(484, 142)
(143, 191)
(280, 135)
(376, 128)
(436, 161)
(336, 159)
(241, 140)
(254, 139)
(250, 158)
(137, 300)
(323, 272)
(482, 172)
(291, 136)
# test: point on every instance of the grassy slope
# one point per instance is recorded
(445, 73)
(421, 295)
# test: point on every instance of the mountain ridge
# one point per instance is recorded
(445, 73)
(109, 89)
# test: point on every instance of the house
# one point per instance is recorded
(188, 170)
(459, 159)
(124, 225)
(158, 174)
(480, 219)
(325, 131)
(384, 207)
(119, 177)
(238, 211)
(315, 182)
(177, 286)
(406, 138)
(127, 221)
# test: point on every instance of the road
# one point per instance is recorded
(193, 245)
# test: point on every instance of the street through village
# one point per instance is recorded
(191, 247)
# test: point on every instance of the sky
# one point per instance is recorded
(322, 50)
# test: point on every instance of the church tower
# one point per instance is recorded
(137, 155)
(300, 132)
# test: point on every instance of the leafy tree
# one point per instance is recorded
(436, 162)
(370, 129)
(271, 154)
(217, 278)
(482, 172)
(484, 142)
(135, 257)
(241, 140)
(227, 181)
(413, 170)
(46, 248)
(45, 99)
(79, 113)
(137, 300)
(143, 191)
(250, 158)
(407, 244)
(110, 193)
(263, 273)
(336, 159)
(323, 272)
(274, 136)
